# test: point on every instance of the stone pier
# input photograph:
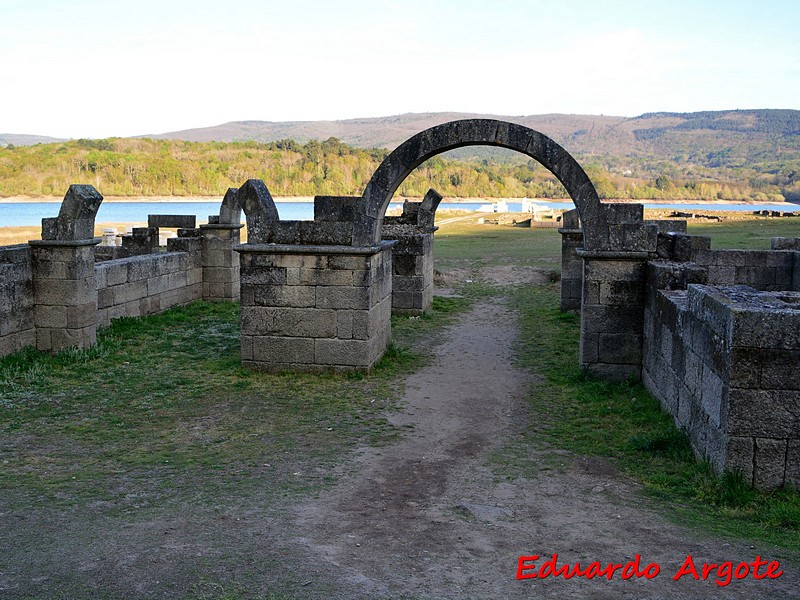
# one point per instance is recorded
(571, 263)
(412, 277)
(313, 307)
(311, 300)
(220, 260)
(65, 298)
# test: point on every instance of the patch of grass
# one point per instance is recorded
(162, 401)
(465, 244)
(752, 234)
(624, 423)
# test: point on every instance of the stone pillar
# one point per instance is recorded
(315, 307)
(612, 313)
(412, 272)
(220, 261)
(571, 263)
(412, 257)
(65, 312)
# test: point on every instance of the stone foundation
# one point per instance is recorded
(723, 362)
(315, 308)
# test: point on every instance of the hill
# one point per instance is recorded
(746, 135)
(24, 139)
(731, 155)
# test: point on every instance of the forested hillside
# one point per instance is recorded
(762, 170)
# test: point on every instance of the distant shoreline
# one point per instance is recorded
(280, 199)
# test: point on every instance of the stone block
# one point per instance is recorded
(195, 276)
(57, 292)
(116, 272)
(620, 348)
(344, 323)
(793, 463)
(129, 292)
(157, 285)
(721, 274)
(780, 369)
(778, 329)
(739, 456)
(288, 322)
(246, 348)
(63, 338)
(762, 413)
(50, 316)
(81, 316)
(769, 463)
(105, 298)
(712, 396)
(340, 297)
(276, 349)
(247, 275)
(745, 368)
(352, 353)
(589, 347)
(293, 296)
(141, 268)
(170, 262)
(615, 372)
(621, 293)
(326, 277)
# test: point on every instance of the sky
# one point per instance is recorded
(104, 68)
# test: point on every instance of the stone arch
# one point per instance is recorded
(230, 211)
(259, 209)
(481, 132)
(75, 220)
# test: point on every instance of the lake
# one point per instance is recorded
(15, 214)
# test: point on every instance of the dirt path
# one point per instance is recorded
(428, 517)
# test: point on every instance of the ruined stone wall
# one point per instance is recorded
(147, 284)
(16, 299)
(721, 349)
(723, 362)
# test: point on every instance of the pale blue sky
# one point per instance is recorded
(98, 68)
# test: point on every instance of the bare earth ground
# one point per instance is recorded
(429, 516)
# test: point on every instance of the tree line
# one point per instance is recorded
(146, 167)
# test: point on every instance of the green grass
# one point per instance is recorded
(623, 423)
(751, 234)
(164, 398)
(465, 244)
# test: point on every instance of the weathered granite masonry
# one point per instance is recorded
(571, 263)
(65, 299)
(723, 361)
(316, 295)
(148, 284)
(311, 301)
(54, 292)
(721, 346)
(17, 329)
(313, 308)
(220, 261)
(412, 256)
